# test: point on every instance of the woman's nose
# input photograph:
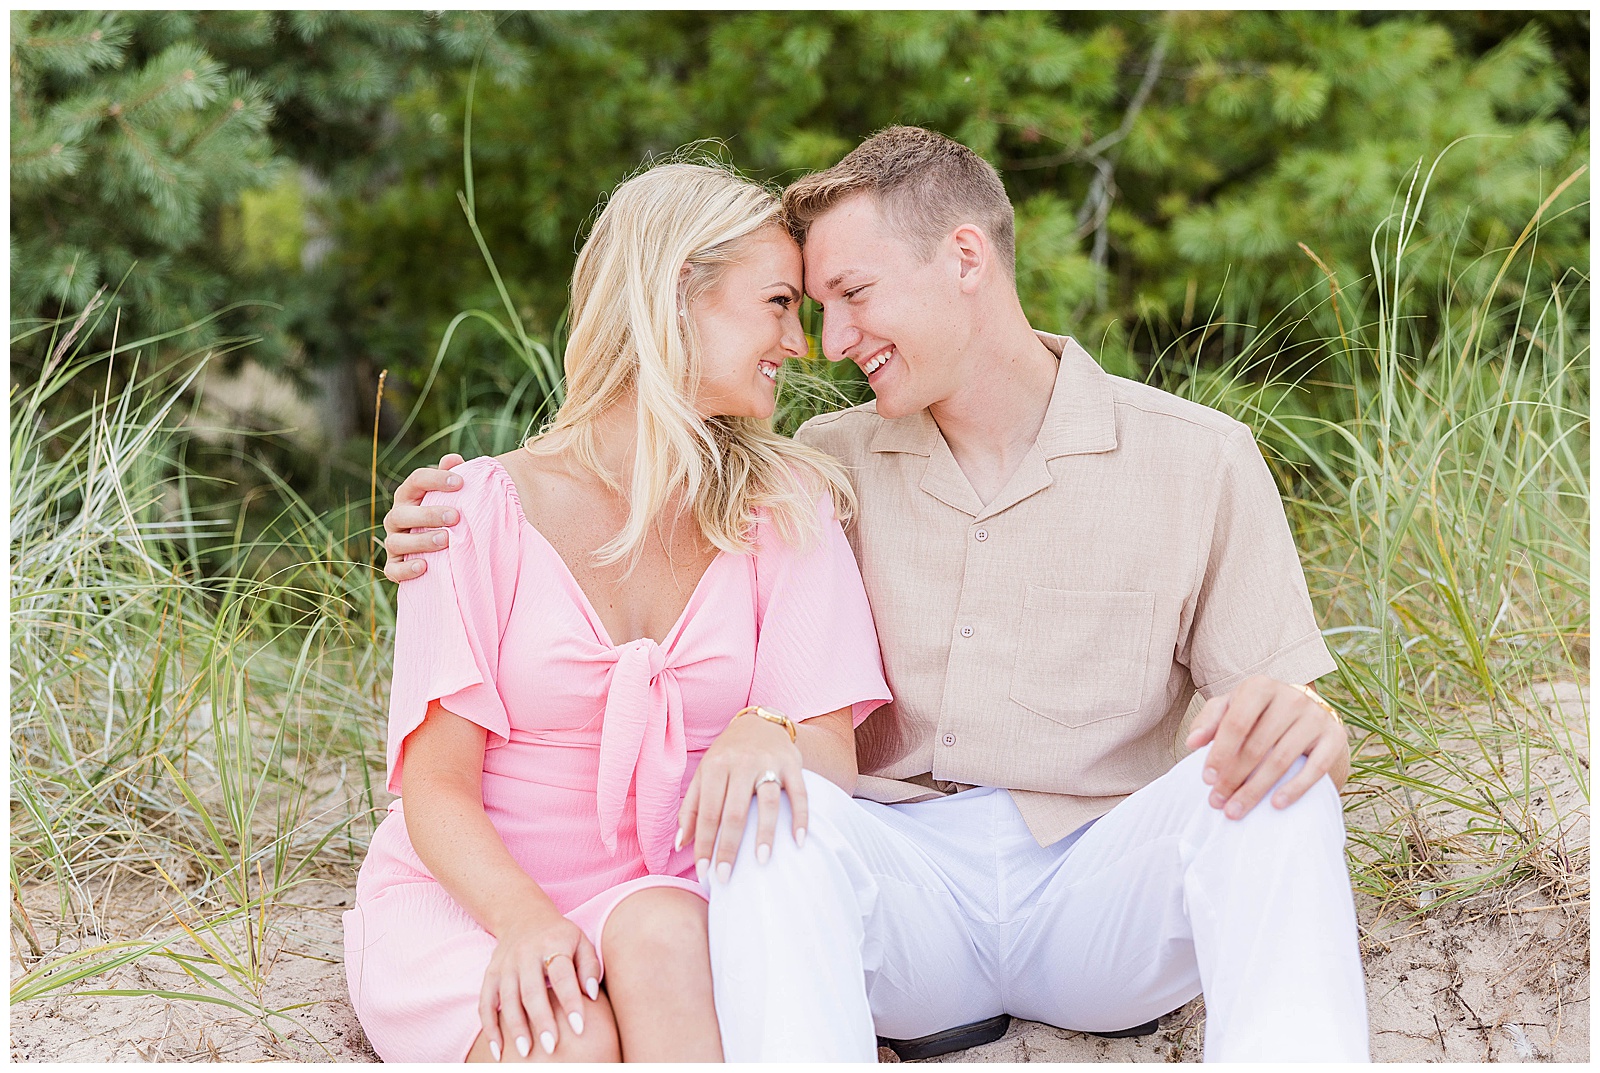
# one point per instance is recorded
(794, 337)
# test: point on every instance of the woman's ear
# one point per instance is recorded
(684, 273)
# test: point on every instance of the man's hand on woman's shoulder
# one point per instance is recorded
(408, 514)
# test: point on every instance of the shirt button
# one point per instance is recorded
(966, 631)
(981, 535)
(949, 739)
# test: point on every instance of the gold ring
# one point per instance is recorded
(552, 957)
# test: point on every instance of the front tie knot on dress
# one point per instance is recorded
(642, 744)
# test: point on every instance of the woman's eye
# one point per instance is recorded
(782, 299)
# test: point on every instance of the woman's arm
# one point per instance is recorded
(731, 773)
(828, 746)
(442, 787)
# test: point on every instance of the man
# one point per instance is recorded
(1057, 560)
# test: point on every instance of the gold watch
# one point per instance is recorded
(770, 716)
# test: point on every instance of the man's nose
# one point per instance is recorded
(838, 336)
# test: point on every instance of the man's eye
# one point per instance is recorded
(852, 293)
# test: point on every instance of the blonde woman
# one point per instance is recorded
(572, 721)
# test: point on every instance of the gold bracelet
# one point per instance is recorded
(770, 716)
(1320, 701)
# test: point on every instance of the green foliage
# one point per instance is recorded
(1165, 168)
(136, 137)
(115, 161)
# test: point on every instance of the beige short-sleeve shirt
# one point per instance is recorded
(1050, 641)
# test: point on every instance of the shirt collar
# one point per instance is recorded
(1080, 418)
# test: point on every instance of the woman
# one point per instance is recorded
(569, 669)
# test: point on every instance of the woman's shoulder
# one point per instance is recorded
(487, 499)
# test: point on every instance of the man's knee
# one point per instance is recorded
(1317, 805)
(826, 805)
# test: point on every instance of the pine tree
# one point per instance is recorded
(116, 162)
(134, 135)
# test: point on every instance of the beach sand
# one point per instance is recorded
(1500, 977)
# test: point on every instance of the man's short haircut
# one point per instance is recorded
(926, 184)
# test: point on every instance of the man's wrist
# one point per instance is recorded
(1319, 700)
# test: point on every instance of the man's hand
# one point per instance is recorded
(408, 513)
(1256, 732)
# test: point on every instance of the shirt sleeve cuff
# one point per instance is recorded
(1300, 662)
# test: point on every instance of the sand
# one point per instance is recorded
(1465, 984)
(1500, 977)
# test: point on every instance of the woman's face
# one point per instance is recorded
(748, 324)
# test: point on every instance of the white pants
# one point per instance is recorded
(904, 920)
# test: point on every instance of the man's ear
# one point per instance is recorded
(971, 248)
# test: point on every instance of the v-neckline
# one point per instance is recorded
(588, 605)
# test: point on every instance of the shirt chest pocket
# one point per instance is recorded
(1082, 656)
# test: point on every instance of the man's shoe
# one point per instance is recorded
(951, 1039)
(1146, 1029)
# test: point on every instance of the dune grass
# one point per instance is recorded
(218, 731)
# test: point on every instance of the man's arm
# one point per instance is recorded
(1256, 732)
(1252, 610)
(408, 513)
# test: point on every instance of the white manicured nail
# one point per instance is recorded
(547, 1040)
(575, 1019)
(763, 851)
(523, 1046)
(701, 867)
(724, 870)
(677, 843)
(800, 838)
(591, 986)
(494, 1049)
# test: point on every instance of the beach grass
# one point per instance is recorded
(200, 706)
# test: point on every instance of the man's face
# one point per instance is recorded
(900, 319)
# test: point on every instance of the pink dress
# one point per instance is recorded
(591, 744)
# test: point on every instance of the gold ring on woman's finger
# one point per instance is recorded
(767, 776)
(552, 957)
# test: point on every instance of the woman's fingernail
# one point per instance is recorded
(494, 1049)
(452, 481)
(439, 539)
(592, 987)
(1210, 776)
(800, 838)
(523, 1046)
(677, 843)
(763, 851)
(547, 1040)
(575, 1019)
(724, 870)
(701, 867)
(450, 516)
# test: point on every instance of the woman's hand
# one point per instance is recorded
(719, 794)
(514, 1004)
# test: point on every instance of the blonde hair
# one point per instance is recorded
(626, 335)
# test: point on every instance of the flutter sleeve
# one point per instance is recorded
(449, 621)
(816, 647)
